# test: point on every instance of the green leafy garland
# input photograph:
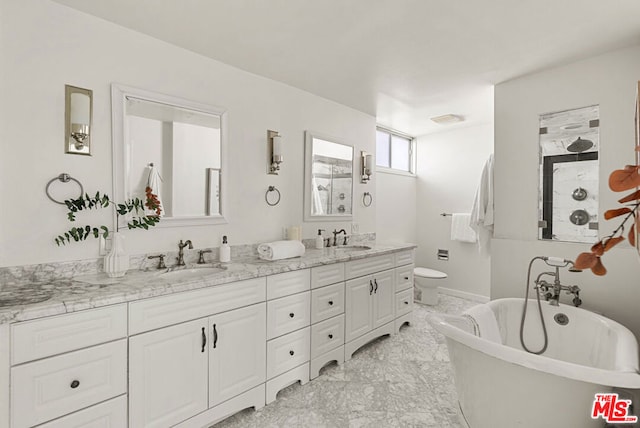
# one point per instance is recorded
(134, 205)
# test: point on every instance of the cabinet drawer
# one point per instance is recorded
(404, 257)
(284, 284)
(404, 277)
(110, 414)
(327, 335)
(287, 314)
(32, 340)
(404, 302)
(287, 352)
(56, 386)
(149, 314)
(356, 268)
(327, 274)
(327, 302)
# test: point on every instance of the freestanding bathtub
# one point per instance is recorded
(500, 385)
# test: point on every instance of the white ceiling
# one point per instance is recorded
(402, 61)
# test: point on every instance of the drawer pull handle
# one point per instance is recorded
(406, 278)
(291, 314)
(330, 336)
(215, 336)
(75, 384)
(204, 339)
(370, 287)
(330, 302)
(375, 281)
(291, 353)
(406, 303)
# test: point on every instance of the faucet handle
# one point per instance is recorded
(201, 256)
(161, 264)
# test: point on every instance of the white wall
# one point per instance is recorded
(45, 45)
(609, 80)
(449, 169)
(395, 207)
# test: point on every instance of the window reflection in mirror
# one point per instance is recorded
(328, 178)
(176, 146)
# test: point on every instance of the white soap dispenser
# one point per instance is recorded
(320, 240)
(225, 251)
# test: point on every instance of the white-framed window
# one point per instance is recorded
(395, 152)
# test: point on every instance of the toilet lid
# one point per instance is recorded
(428, 273)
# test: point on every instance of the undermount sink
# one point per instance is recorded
(352, 248)
(191, 272)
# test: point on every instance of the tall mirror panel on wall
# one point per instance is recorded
(328, 178)
(174, 146)
(568, 193)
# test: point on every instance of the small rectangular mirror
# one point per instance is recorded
(178, 145)
(328, 179)
(568, 193)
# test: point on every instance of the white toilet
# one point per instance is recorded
(426, 281)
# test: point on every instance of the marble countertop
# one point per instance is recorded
(47, 298)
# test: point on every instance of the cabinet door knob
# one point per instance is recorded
(75, 384)
(291, 315)
(330, 302)
(406, 303)
(330, 336)
(406, 278)
(291, 353)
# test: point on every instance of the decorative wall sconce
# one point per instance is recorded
(274, 150)
(367, 166)
(77, 118)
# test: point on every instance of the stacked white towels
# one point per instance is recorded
(461, 228)
(279, 250)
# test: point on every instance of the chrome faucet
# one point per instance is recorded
(551, 290)
(181, 246)
(335, 236)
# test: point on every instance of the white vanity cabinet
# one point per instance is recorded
(327, 316)
(288, 333)
(404, 288)
(66, 363)
(205, 369)
(377, 302)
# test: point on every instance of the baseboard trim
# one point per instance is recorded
(464, 295)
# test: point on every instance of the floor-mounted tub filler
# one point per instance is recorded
(500, 385)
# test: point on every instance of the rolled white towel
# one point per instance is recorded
(280, 250)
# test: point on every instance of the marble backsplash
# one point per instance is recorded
(13, 276)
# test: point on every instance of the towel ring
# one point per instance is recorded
(65, 178)
(266, 196)
(367, 201)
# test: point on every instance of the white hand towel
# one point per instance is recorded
(487, 324)
(153, 181)
(461, 228)
(280, 250)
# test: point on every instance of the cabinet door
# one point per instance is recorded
(237, 352)
(383, 298)
(358, 307)
(168, 375)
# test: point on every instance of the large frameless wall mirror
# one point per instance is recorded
(174, 146)
(568, 193)
(328, 178)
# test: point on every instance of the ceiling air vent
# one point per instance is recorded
(447, 119)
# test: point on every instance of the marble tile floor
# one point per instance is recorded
(399, 381)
